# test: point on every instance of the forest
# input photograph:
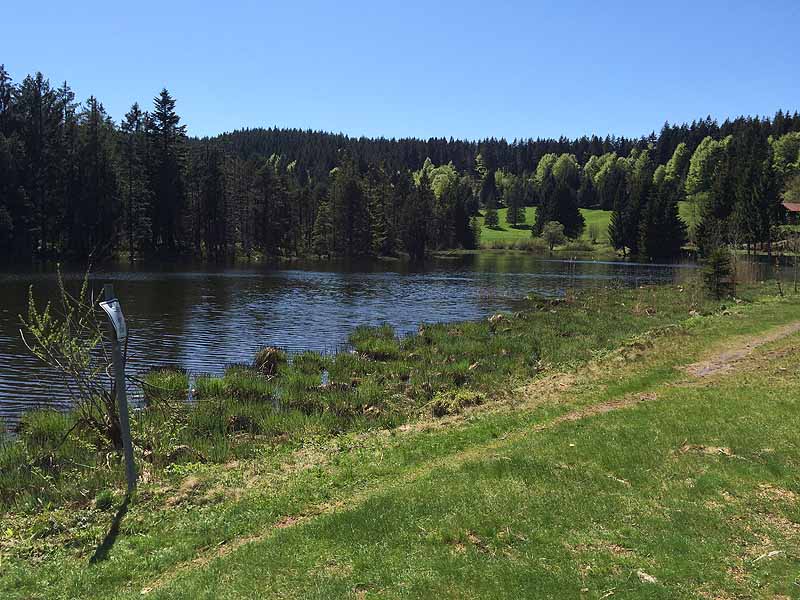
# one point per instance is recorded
(76, 185)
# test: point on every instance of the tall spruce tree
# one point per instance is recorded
(322, 236)
(271, 216)
(515, 201)
(134, 183)
(213, 212)
(93, 216)
(166, 170)
(416, 219)
(350, 210)
(663, 232)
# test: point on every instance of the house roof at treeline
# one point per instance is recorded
(792, 206)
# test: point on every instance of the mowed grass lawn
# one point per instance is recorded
(691, 492)
(599, 219)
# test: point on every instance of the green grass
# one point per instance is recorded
(519, 237)
(521, 234)
(485, 505)
(577, 511)
(385, 383)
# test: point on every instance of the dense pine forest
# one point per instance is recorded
(76, 185)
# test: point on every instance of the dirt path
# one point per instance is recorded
(720, 363)
(728, 360)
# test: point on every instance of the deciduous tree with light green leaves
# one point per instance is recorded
(553, 234)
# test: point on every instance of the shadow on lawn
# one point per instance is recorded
(101, 553)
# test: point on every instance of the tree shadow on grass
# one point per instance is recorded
(101, 553)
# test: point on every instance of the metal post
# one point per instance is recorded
(122, 401)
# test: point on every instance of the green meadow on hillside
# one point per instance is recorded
(597, 220)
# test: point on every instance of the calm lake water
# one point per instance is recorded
(202, 318)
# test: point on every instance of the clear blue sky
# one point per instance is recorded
(463, 69)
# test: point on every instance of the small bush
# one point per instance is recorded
(578, 246)
(718, 273)
(268, 360)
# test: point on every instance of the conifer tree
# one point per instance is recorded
(515, 201)
(587, 194)
(92, 217)
(561, 206)
(663, 232)
(322, 236)
(350, 210)
(134, 185)
(379, 192)
(271, 214)
(416, 219)
(490, 218)
(213, 212)
(166, 166)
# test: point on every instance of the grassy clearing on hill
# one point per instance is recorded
(509, 235)
(490, 501)
(519, 237)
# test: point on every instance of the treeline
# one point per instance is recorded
(74, 184)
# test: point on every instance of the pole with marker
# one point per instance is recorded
(119, 333)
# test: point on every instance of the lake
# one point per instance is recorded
(203, 318)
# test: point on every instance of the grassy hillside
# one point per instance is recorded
(509, 234)
(599, 219)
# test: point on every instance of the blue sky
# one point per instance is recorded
(463, 69)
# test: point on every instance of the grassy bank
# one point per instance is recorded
(330, 492)
(384, 382)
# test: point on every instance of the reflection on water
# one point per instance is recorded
(203, 318)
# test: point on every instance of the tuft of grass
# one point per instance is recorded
(166, 385)
(268, 360)
(104, 500)
(376, 343)
(453, 402)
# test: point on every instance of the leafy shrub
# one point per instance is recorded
(578, 246)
